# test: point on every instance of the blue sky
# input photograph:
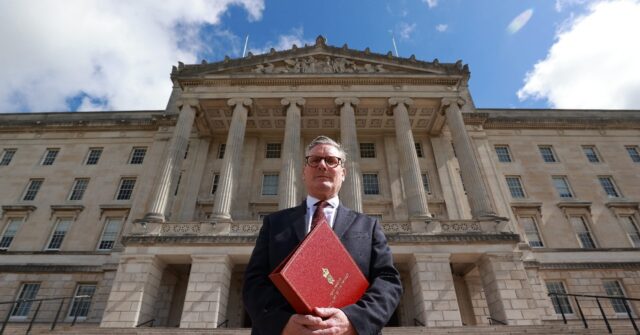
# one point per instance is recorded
(117, 54)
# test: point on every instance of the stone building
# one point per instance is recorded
(153, 214)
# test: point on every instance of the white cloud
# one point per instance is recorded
(431, 3)
(562, 4)
(442, 27)
(286, 41)
(109, 54)
(593, 62)
(519, 21)
(405, 30)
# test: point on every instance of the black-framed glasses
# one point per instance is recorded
(330, 161)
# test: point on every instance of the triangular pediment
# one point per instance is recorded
(319, 59)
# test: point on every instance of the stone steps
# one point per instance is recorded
(553, 329)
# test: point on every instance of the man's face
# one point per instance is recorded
(323, 182)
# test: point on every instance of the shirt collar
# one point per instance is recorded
(334, 202)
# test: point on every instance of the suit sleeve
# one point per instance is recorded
(369, 314)
(268, 309)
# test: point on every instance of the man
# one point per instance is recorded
(361, 235)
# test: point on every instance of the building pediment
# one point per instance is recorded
(319, 59)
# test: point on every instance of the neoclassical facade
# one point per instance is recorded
(154, 214)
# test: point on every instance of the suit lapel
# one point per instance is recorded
(298, 220)
(344, 219)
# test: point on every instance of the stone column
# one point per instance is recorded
(134, 292)
(410, 168)
(170, 169)
(448, 171)
(434, 292)
(509, 295)
(351, 192)
(469, 168)
(290, 174)
(205, 304)
(235, 141)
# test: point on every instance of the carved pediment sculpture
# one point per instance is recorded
(318, 64)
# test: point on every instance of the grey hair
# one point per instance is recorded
(326, 140)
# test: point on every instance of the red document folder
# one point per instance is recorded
(319, 273)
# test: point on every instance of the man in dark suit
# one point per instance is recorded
(361, 235)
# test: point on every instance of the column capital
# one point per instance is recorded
(241, 101)
(453, 101)
(193, 103)
(347, 100)
(400, 100)
(293, 100)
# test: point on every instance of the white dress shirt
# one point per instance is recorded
(329, 211)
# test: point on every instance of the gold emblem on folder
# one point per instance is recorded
(327, 275)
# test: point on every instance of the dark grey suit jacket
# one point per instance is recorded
(361, 235)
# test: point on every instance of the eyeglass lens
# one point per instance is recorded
(331, 161)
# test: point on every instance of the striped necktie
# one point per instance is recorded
(318, 215)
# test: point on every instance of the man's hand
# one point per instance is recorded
(335, 322)
(299, 324)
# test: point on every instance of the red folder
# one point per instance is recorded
(319, 273)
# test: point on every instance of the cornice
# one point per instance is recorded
(52, 268)
(130, 240)
(445, 238)
(316, 80)
(582, 265)
(559, 119)
(63, 121)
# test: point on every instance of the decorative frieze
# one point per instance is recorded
(245, 228)
(463, 227)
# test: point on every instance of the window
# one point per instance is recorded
(582, 232)
(270, 184)
(10, 232)
(79, 186)
(370, 183)
(137, 155)
(27, 291)
(614, 289)
(504, 155)
(609, 187)
(425, 183)
(631, 228)
(562, 186)
(531, 231)
(221, 148)
(547, 154)
(273, 150)
(32, 189)
(368, 150)
(216, 180)
(419, 150)
(633, 152)
(591, 153)
(560, 302)
(93, 156)
(50, 156)
(515, 187)
(126, 188)
(59, 232)
(82, 301)
(110, 233)
(7, 156)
